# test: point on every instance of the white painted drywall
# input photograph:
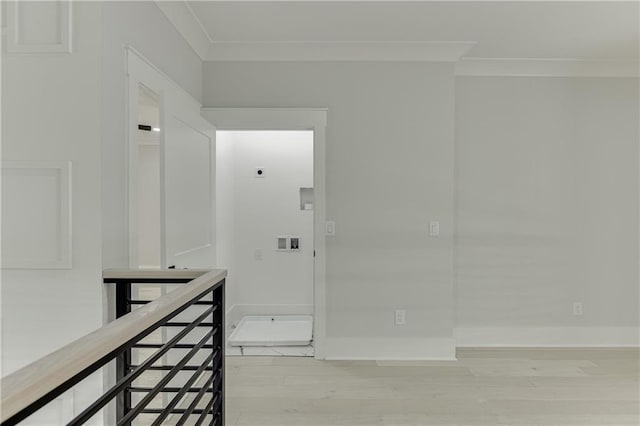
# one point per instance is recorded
(547, 210)
(149, 254)
(71, 107)
(253, 212)
(143, 26)
(225, 213)
(389, 172)
(148, 226)
(51, 112)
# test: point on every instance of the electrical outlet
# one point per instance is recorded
(257, 254)
(434, 228)
(401, 317)
(282, 244)
(577, 308)
(294, 243)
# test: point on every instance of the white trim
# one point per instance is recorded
(139, 70)
(531, 67)
(199, 22)
(188, 25)
(65, 30)
(547, 336)
(65, 225)
(294, 119)
(138, 65)
(193, 249)
(339, 51)
(391, 349)
(266, 118)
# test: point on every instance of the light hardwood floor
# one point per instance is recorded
(484, 387)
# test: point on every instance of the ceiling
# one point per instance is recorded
(590, 30)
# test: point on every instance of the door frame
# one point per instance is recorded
(139, 70)
(314, 119)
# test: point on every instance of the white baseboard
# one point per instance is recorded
(235, 313)
(547, 336)
(390, 349)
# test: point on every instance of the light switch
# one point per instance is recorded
(434, 228)
(330, 228)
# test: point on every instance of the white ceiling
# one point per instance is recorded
(604, 30)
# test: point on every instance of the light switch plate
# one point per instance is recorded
(330, 228)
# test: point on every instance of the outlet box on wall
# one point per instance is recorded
(288, 243)
(577, 308)
(282, 244)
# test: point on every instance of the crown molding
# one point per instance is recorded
(530, 67)
(188, 25)
(183, 18)
(339, 51)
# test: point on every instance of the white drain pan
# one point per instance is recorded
(277, 330)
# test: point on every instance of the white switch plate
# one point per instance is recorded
(434, 228)
(257, 254)
(577, 308)
(330, 228)
(401, 317)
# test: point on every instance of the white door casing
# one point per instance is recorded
(187, 170)
(314, 119)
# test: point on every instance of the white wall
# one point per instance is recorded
(389, 171)
(547, 210)
(70, 107)
(253, 212)
(51, 112)
(149, 246)
(149, 255)
(142, 25)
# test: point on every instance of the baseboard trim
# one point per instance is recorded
(390, 349)
(547, 337)
(235, 313)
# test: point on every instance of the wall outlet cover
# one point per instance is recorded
(401, 317)
(282, 244)
(294, 243)
(577, 308)
(434, 228)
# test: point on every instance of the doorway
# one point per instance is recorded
(264, 199)
(148, 180)
(314, 120)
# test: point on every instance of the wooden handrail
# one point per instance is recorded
(29, 384)
(120, 274)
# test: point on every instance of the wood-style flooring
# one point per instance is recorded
(483, 387)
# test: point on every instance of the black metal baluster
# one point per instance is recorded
(123, 362)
